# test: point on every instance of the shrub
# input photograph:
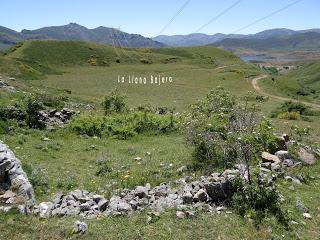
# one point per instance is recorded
(12, 112)
(293, 111)
(114, 103)
(39, 179)
(51, 101)
(92, 61)
(67, 181)
(103, 164)
(124, 126)
(224, 131)
(305, 91)
(257, 200)
(33, 117)
(289, 115)
(145, 61)
(300, 108)
(88, 124)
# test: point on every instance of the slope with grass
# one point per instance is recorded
(91, 70)
(302, 83)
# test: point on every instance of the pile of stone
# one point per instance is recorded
(54, 117)
(205, 194)
(15, 188)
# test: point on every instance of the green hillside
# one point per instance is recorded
(295, 42)
(301, 83)
(68, 53)
(90, 70)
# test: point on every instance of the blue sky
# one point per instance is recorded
(148, 17)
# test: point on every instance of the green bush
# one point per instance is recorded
(67, 181)
(114, 103)
(103, 164)
(39, 179)
(124, 126)
(51, 101)
(15, 112)
(33, 117)
(293, 111)
(224, 130)
(257, 200)
(289, 115)
(88, 125)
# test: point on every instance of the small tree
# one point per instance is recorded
(115, 102)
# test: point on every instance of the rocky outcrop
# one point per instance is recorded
(15, 188)
(52, 118)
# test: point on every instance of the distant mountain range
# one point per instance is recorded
(306, 41)
(73, 31)
(273, 38)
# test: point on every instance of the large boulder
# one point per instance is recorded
(14, 182)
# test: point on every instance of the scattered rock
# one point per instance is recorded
(219, 191)
(180, 214)
(182, 169)
(187, 198)
(80, 227)
(282, 155)
(141, 192)
(268, 157)
(287, 163)
(45, 209)
(307, 215)
(301, 207)
(286, 137)
(293, 179)
(200, 196)
(221, 208)
(306, 156)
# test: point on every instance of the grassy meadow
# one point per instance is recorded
(85, 73)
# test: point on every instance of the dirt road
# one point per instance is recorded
(255, 85)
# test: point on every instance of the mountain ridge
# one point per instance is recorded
(204, 39)
(73, 31)
(305, 41)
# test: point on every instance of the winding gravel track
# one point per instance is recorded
(255, 85)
